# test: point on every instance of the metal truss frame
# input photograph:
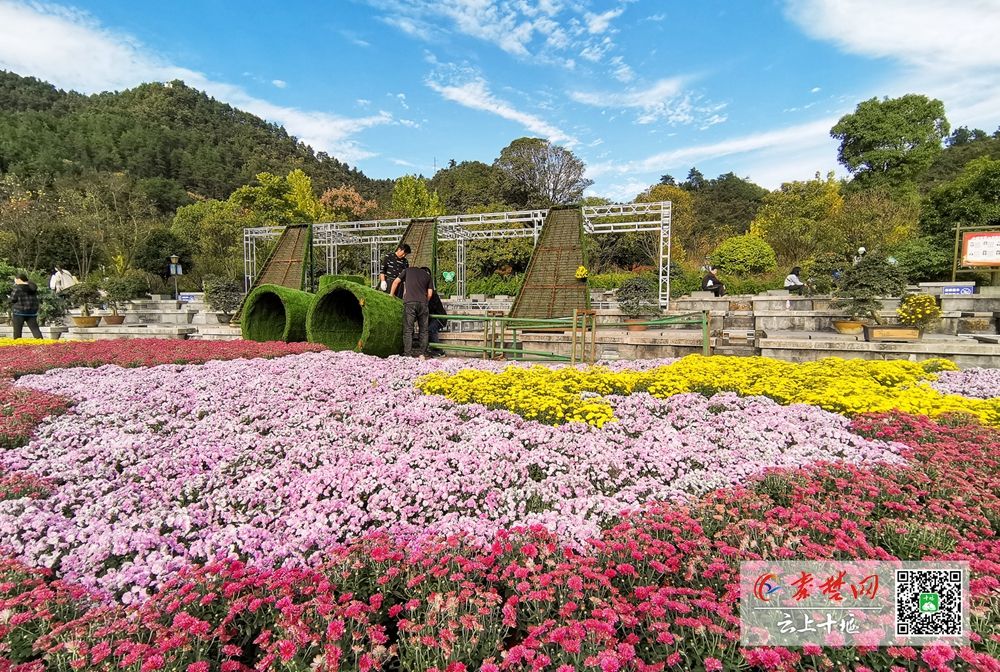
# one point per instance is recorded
(381, 233)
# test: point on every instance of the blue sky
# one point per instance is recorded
(636, 88)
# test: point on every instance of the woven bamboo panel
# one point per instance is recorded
(421, 236)
(550, 286)
(286, 265)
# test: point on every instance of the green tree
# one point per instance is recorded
(533, 172)
(411, 198)
(726, 205)
(464, 186)
(970, 199)
(798, 219)
(684, 227)
(891, 141)
(213, 231)
(876, 218)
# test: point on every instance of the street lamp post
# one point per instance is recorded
(175, 270)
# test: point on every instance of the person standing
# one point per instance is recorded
(392, 266)
(793, 283)
(436, 307)
(24, 306)
(417, 292)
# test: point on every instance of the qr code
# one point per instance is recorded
(929, 602)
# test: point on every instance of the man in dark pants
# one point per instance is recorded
(417, 291)
(392, 266)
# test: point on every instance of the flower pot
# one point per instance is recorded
(849, 327)
(114, 320)
(892, 332)
(86, 320)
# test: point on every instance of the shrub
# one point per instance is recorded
(925, 259)
(123, 288)
(744, 255)
(637, 296)
(824, 272)
(223, 295)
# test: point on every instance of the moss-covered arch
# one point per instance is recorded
(348, 316)
(274, 313)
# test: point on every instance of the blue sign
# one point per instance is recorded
(958, 290)
(187, 297)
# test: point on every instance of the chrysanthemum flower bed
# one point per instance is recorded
(656, 591)
(9, 342)
(18, 361)
(849, 387)
(319, 512)
(277, 460)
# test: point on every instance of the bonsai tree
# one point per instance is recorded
(637, 297)
(119, 290)
(85, 296)
(222, 294)
(865, 284)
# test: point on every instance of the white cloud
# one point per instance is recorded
(71, 50)
(472, 91)
(805, 138)
(401, 97)
(363, 102)
(815, 89)
(280, 83)
(946, 50)
(600, 23)
(621, 70)
(541, 31)
(664, 100)
(656, 18)
(620, 192)
(930, 34)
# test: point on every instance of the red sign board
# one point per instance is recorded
(981, 249)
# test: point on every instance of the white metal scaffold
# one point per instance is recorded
(384, 233)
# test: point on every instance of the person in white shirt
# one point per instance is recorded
(62, 280)
(792, 282)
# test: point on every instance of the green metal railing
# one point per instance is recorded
(499, 329)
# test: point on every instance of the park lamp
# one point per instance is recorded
(175, 270)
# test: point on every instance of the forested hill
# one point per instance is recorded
(154, 132)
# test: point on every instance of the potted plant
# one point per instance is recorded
(861, 291)
(637, 300)
(118, 291)
(224, 296)
(85, 296)
(916, 313)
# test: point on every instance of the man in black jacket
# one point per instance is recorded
(392, 266)
(24, 306)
